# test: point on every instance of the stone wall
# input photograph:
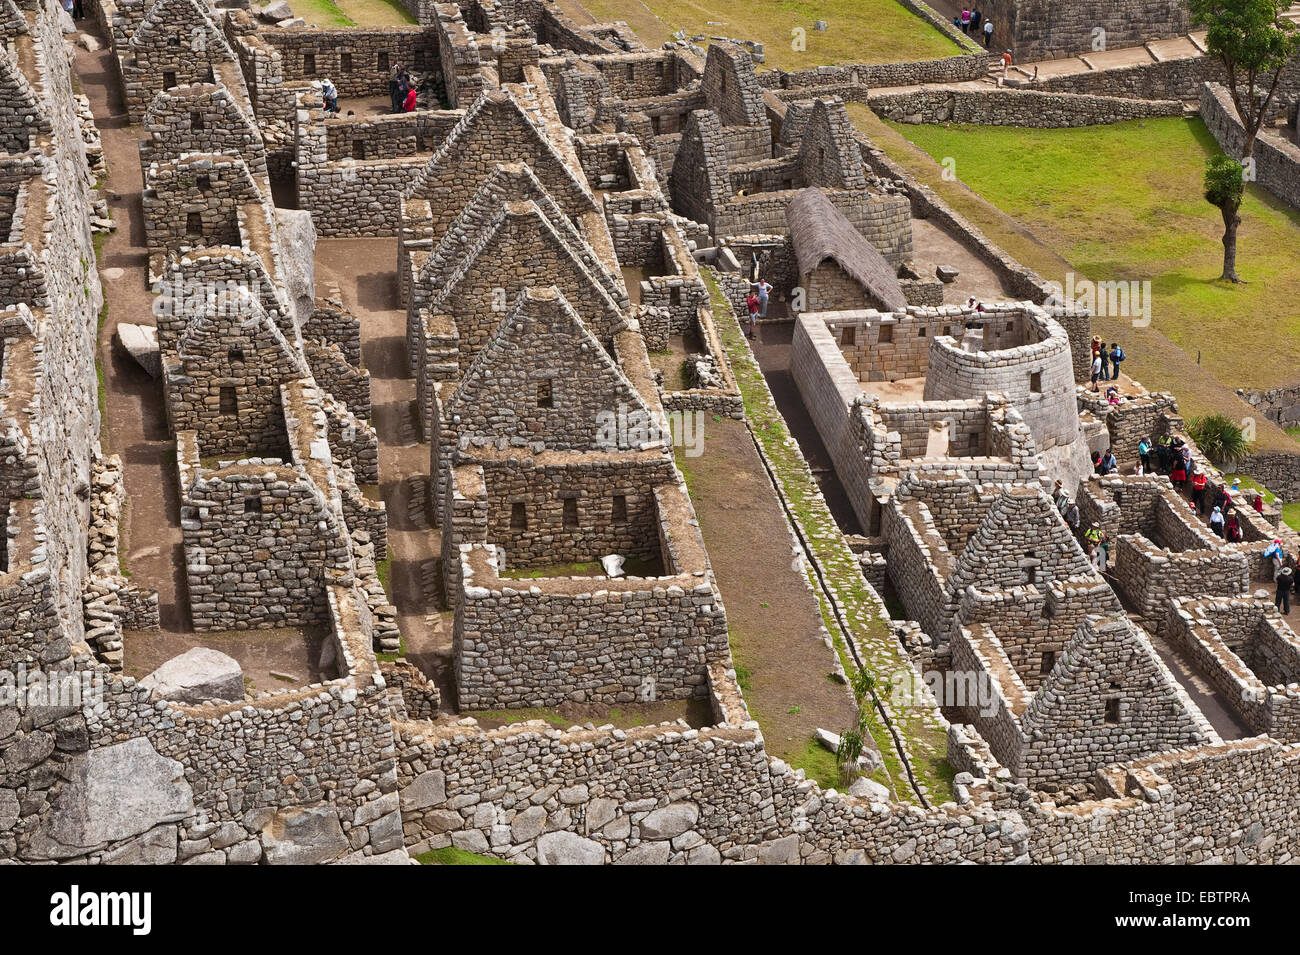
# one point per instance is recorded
(1008, 107)
(1039, 29)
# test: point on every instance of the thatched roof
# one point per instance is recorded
(819, 231)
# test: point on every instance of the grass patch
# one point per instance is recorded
(450, 855)
(632, 567)
(1123, 202)
(818, 764)
(352, 13)
(925, 738)
(1291, 515)
(383, 568)
(861, 31)
(393, 657)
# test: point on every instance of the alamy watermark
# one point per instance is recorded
(965, 689)
(38, 688)
(1118, 299)
(628, 429)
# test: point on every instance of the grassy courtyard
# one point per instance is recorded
(329, 14)
(861, 31)
(1123, 202)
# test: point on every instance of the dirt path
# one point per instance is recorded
(363, 270)
(774, 619)
(135, 425)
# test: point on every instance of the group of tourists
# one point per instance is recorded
(1096, 543)
(972, 23)
(401, 90)
(1105, 366)
(760, 291)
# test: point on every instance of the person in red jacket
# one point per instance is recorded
(408, 105)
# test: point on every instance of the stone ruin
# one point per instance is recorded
(561, 205)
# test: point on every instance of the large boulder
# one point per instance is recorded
(275, 12)
(141, 343)
(568, 848)
(298, 259)
(119, 791)
(670, 821)
(197, 675)
(298, 836)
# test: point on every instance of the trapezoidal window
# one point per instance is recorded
(196, 119)
(618, 509)
(203, 182)
(1112, 710)
(227, 403)
(545, 394)
(886, 334)
(518, 516)
(849, 335)
(169, 79)
(381, 62)
(1036, 382)
(236, 356)
(1047, 662)
(345, 62)
(309, 63)
(358, 149)
(194, 224)
(675, 295)
(570, 512)
(253, 504)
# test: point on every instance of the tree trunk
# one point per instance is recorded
(1230, 222)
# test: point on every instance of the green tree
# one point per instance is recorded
(1224, 186)
(1254, 43)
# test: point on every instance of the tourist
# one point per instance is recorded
(1071, 515)
(1006, 63)
(1112, 396)
(1285, 580)
(1179, 474)
(1277, 555)
(1258, 503)
(1108, 463)
(1232, 527)
(395, 91)
(408, 105)
(1162, 453)
(1198, 490)
(751, 302)
(1104, 355)
(1116, 356)
(988, 33)
(1144, 452)
(965, 20)
(1096, 463)
(1223, 500)
(1216, 521)
(1059, 496)
(330, 95)
(1096, 372)
(764, 290)
(975, 18)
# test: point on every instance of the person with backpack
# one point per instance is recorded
(751, 303)
(1276, 555)
(965, 20)
(1116, 356)
(988, 33)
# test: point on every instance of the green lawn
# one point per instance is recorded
(861, 31)
(1123, 202)
(352, 13)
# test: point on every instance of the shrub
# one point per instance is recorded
(1220, 438)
